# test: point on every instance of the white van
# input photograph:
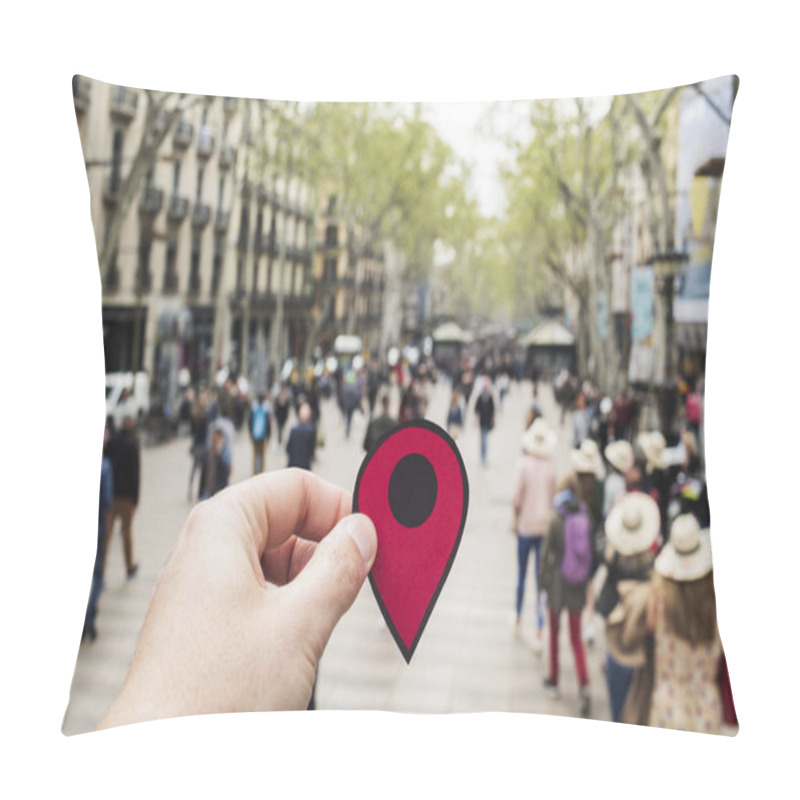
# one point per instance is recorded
(138, 402)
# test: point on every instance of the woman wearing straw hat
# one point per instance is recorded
(631, 528)
(590, 471)
(682, 614)
(534, 490)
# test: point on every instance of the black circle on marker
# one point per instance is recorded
(413, 490)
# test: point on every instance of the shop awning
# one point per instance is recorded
(548, 334)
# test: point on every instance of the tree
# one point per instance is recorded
(565, 199)
(393, 178)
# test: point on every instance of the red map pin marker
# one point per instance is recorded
(413, 486)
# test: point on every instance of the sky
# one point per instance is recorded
(476, 132)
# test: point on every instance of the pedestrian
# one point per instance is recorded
(580, 420)
(302, 440)
(455, 415)
(682, 615)
(379, 425)
(198, 431)
(503, 382)
(622, 415)
(565, 568)
(260, 431)
(534, 409)
(631, 529)
(620, 458)
(484, 409)
(532, 501)
(693, 412)
(351, 399)
(217, 470)
(590, 472)
(281, 408)
(123, 453)
(106, 498)
(656, 479)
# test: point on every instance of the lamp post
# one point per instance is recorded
(666, 266)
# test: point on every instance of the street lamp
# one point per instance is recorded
(666, 266)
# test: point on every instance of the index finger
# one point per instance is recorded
(275, 506)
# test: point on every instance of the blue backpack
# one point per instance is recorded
(577, 561)
(259, 423)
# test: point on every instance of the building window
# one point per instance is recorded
(194, 275)
(170, 273)
(244, 220)
(176, 176)
(199, 184)
(143, 274)
(240, 274)
(330, 269)
(115, 181)
(220, 193)
(216, 269)
(331, 236)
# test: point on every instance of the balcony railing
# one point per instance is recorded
(201, 214)
(227, 155)
(81, 92)
(182, 137)
(152, 201)
(178, 209)
(222, 220)
(123, 103)
(205, 145)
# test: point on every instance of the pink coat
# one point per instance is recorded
(534, 492)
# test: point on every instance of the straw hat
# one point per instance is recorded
(539, 440)
(687, 554)
(633, 524)
(587, 458)
(620, 455)
(653, 445)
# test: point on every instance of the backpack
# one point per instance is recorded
(259, 425)
(577, 561)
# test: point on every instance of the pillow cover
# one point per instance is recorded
(283, 282)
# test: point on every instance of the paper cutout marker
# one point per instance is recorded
(413, 486)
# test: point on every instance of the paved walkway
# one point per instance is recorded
(468, 659)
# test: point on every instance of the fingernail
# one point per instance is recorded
(362, 532)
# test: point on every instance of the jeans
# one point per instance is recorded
(484, 444)
(259, 464)
(618, 678)
(524, 546)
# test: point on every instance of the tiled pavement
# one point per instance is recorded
(468, 658)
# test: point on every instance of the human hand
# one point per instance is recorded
(242, 611)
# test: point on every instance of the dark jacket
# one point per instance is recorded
(123, 452)
(301, 444)
(376, 428)
(560, 593)
(484, 408)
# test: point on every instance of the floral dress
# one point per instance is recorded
(685, 695)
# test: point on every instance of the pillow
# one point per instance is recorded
(258, 256)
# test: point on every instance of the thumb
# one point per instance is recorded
(330, 582)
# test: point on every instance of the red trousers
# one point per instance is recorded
(577, 645)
